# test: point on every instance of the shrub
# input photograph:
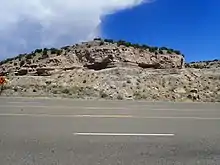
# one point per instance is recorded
(121, 42)
(53, 51)
(65, 48)
(109, 40)
(7, 60)
(145, 46)
(153, 49)
(65, 91)
(97, 39)
(163, 48)
(120, 97)
(45, 55)
(59, 52)
(136, 46)
(103, 94)
(160, 51)
(128, 44)
(169, 52)
(38, 50)
(177, 52)
(29, 56)
(28, 61)
(22, 63)
(20, 56)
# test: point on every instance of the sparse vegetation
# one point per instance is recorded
(163, 48)
(66, 91)
(97, 39)
(65, 48)
(38, 51)
(161, 51)
(177, 52)
(120, 97)
(169, 51)
(45, 52)
(109, 40)
(29, 56)
(103, 94)
(101, 43)
(153, 49)
(45, 55)
(22, 63)
(53, 51)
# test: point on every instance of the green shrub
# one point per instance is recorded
(103, 94)
(59, 52)
(53, 51)
(65, 48)
(128, 44)
(120, 97)
(160, 51)
(163, 48)
(101, 43)
(65, 91)
(177, 52)
(29, 56)
(169, 52)
(145, 46)
(22, 63)
(153, 49)
(109, 40)
(38, 50)
(44, 55)
(121, 42)
(97, 39)
(20, 56)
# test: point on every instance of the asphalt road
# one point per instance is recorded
(67, 132)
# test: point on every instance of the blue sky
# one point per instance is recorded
(192, 26)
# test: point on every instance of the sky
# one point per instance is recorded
(191, 26)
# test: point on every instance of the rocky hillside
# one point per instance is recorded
(97, 55)
(204, 64)
(110, 70)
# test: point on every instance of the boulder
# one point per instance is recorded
(100, 64)
(44, 71)
(22, 72)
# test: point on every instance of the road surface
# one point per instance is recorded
(67, 132)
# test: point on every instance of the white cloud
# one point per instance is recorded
(27, 24)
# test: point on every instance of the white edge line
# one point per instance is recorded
(120, 134)
(99, 108)
(105, 116)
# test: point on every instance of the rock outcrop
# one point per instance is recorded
(96, 55)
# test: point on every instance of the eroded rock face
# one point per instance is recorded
(44, 71)
(112, 56)
(22, 72)
(95, 55)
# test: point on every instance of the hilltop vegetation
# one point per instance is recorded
(45, 52)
